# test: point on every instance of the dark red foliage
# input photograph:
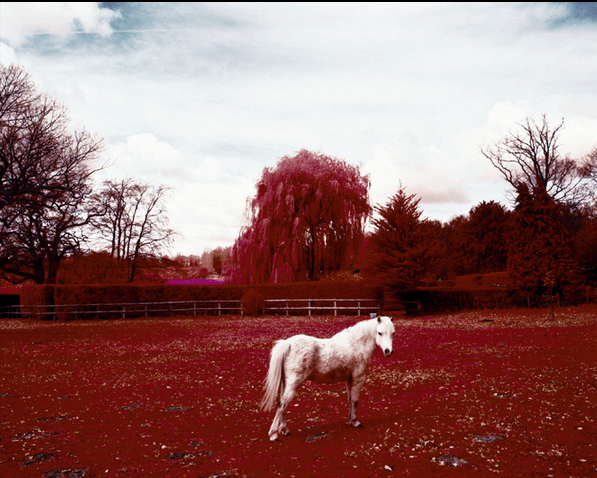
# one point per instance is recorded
(585, 247)
(402, 247)
(476, 243)
(540, 260)
(484, 238)
(307, 220)
(93, 268)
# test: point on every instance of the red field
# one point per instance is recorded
(469, 394)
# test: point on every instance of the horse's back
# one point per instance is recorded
(304, 346)
(321, 360)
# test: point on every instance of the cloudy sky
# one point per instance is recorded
(202, 97)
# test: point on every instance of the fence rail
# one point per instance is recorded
(286, 306)
(123, 311)
(196, 307)
(10, 312)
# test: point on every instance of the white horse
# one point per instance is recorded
(344, 357)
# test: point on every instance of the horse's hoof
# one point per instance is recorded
(355, 424)
(285, 432)
(273, 437)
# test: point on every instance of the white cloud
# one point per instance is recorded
(209, 170)
(92, 18)
(579, 136)
(210, 210)
(413, 165)
(145, 157)
(7, 54)
(504, 116)
(21, 21)
(209, 214)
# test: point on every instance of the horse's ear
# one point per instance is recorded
(379, 320)
(392, 318)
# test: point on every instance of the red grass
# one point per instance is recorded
(493, 392)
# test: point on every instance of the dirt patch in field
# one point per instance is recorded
(469, 394)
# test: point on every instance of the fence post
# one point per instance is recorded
(335, 309)
(309, 306)
(194, 307)
(123, 311)
(219, 308)
(359, 308)
(286, 308)
(145, 310)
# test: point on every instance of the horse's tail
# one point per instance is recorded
(275, 374)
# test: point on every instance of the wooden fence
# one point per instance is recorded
(321, 306)
(197, 307)
(127, 310)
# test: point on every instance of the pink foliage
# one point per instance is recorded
(307, 219)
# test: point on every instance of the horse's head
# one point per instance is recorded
(385, 334)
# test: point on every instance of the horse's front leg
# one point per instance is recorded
(353, 388)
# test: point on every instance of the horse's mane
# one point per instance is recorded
(361, 328)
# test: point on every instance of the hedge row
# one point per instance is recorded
(441, 300)
(129, 293)
(253, 296)
(39, 297)
(118, 294)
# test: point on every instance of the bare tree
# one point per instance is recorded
(36, 148)
(530, 155)
(112, 203)
(132, 221)
(590, 170)
(44, 180)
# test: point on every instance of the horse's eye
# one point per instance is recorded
(379, 333)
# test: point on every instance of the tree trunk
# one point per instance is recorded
(39, 271)
(53, 265)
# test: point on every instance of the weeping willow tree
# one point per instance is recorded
(306, 220)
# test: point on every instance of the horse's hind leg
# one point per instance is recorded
(279, 424)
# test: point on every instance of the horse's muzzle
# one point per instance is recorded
(387, 352)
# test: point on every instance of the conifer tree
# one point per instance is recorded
(402, 247)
